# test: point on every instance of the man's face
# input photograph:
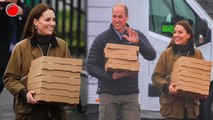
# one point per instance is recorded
(119, 18)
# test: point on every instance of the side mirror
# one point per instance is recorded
(202, 33)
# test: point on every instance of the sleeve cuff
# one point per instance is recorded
(166, 87)
(23, 94)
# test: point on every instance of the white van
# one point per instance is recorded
(155, 18)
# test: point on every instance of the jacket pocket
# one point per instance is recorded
(166, 101)
(102, 112)
(102, 109)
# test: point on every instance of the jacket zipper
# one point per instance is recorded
(48, 50)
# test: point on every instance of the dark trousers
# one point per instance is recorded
(1, 80)
(180, 119)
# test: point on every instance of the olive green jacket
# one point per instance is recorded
(18, 67)
(172, 106)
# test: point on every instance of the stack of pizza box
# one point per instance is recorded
(121, 57)
(191, 77)
(55, 79)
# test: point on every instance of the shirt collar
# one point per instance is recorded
(120, 34)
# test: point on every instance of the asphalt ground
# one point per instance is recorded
(6, 111)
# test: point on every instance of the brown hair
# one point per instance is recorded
(36, 13)
(121, 5)
(188, 29)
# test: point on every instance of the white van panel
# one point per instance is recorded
(95, 28)
(99, 14)
(100, 3)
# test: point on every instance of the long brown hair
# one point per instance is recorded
(188, 29)
(36, 12)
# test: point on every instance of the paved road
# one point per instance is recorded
(6, 103)
(6, 111)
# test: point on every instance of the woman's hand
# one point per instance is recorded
(172, 89)
(30, 98)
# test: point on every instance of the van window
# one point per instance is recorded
(163, 14)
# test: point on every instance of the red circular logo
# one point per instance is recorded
(12, 10)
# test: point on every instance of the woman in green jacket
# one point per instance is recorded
(172, 106)
(38, 40)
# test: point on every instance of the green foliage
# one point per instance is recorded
(72, 42)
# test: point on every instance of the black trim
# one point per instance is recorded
(53, 41)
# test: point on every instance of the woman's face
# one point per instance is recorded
(180, 35)
(46, 23)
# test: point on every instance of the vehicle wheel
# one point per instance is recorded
(208, 107)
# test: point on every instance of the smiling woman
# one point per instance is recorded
(172, 105)
(46, 23)
(180, 35)
(41, 21)
(38, 40)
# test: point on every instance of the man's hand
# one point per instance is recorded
(121, 74)
(133, 36)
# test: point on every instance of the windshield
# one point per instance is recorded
(163, 14)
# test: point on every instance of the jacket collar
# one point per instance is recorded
(53, 41)
(119, 38)
(187, 49)
(112, 28)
